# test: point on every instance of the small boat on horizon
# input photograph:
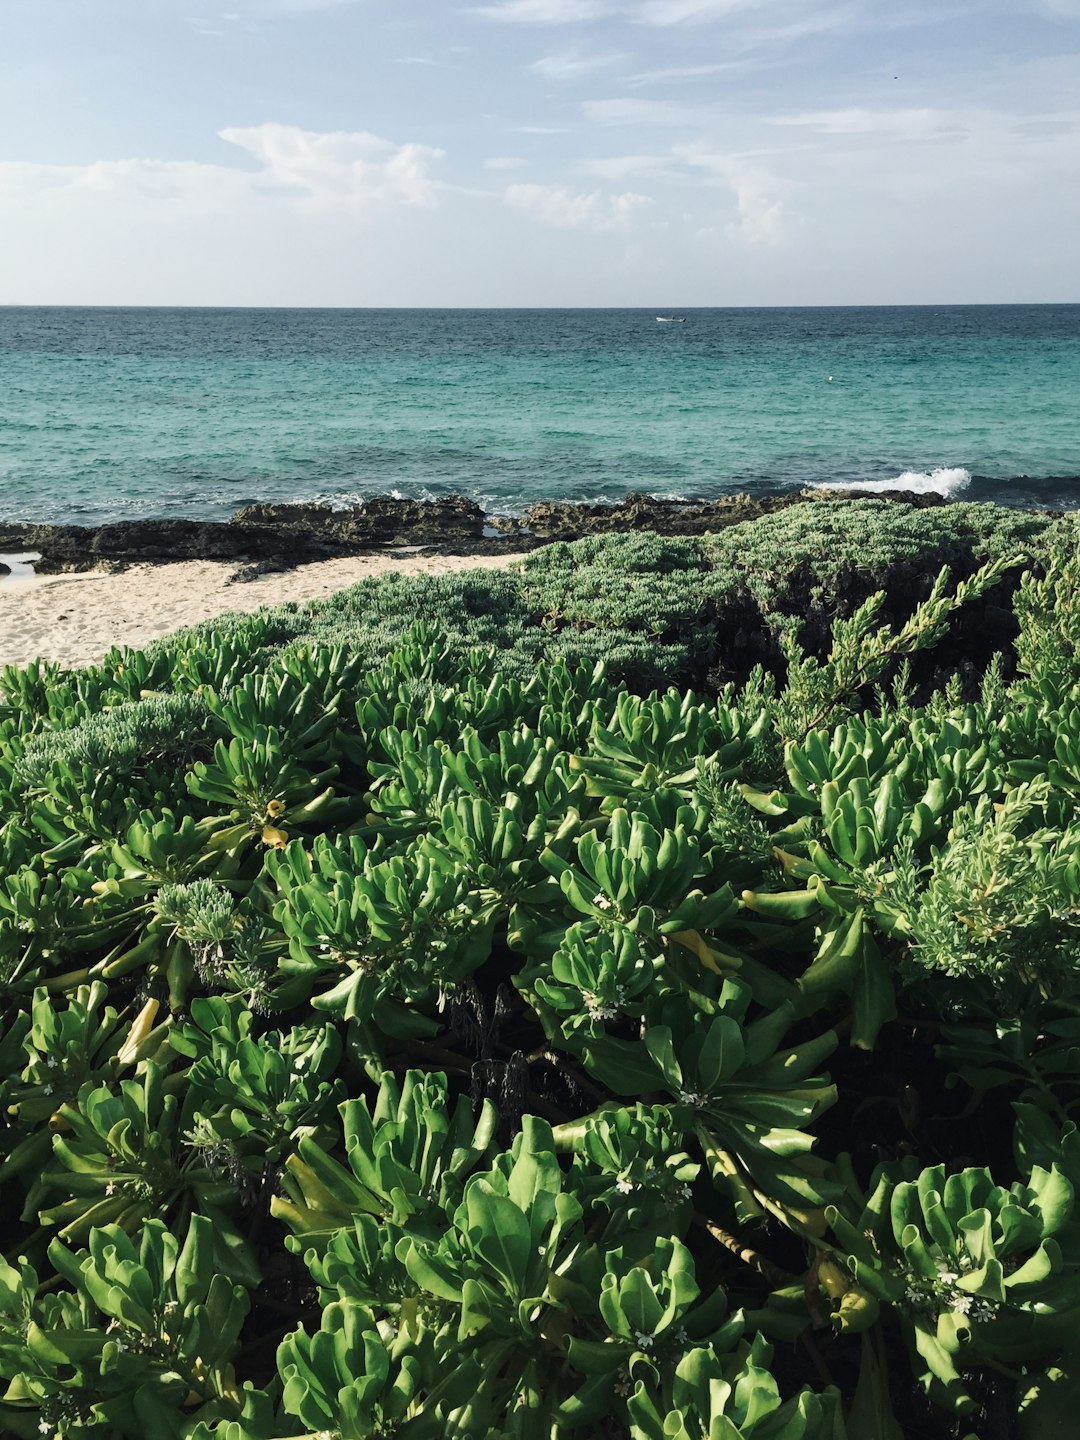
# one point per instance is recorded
(671, 319)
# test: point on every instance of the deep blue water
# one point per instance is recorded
(109, 413)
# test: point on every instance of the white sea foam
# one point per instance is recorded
(20, 567)
(349, 499)
(947, 480)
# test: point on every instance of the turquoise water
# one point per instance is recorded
(109, 414)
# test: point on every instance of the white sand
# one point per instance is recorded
(76, 618)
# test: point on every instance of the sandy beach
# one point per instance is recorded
(75, 618)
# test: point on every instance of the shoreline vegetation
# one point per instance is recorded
(631, 995)
(131, 583)
(277, 537)
(75, 617)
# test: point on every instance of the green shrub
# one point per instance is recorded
(421, 1015)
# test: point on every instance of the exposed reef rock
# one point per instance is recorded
(278, 535)
(274, 537)
(378, 521)
(254, 570)
(80, 547)
(558, 520)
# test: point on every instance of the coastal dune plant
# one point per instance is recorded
(633, 997)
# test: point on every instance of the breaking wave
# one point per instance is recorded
(947, 480)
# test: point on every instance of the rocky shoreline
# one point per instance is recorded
(266, 538)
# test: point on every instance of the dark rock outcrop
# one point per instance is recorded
(281, 536)
(81, 547)
(559, 520)
(378, 521)
(254, 570)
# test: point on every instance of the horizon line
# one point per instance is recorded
(649, 309)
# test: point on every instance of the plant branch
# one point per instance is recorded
(775, 1277)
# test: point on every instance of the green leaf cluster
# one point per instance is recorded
(408, 1028)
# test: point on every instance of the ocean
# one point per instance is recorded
(108, 414)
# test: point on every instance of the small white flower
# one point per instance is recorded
(599, 1009)
(962, 1304)
(46, 1089)
(601, 901)
(52, 1063)
(689, 1097)
(645, 1342)
(45, 1427)
(624, 1186)
(110, 1188)
(677, 1196)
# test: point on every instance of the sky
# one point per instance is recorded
(539, 152)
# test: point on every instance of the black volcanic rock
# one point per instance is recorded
(379, 520)
(80, 547)
(556, 520)
(255, 570)
(281, 536)
(304, 517)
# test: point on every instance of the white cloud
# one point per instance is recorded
(796, 17)
(570, 65)
(183, 184)
(819, 22)
(1044, 129)
(761, 218)
(227, 22)
(761, 214)
(21, 177)
(301, 7)
(344, 170)
(632, 111)
(354, 167)
(570, 209)
(685, 73)
(913, 123)
(618, 167)
(676, 12)
(759, 22)
(544, 12)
